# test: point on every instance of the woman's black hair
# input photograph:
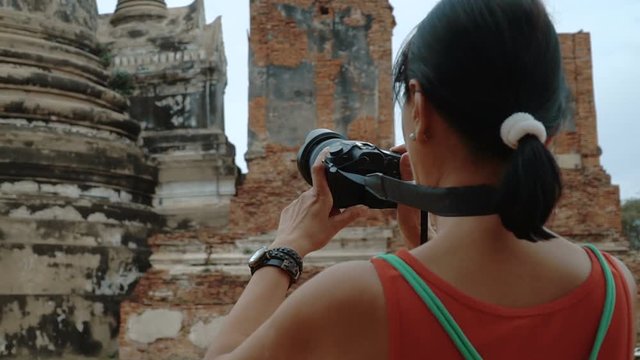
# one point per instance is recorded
(480, 61)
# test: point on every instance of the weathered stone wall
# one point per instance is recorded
(75, 189)
(590, 207)
(319, 64)
(176, 66)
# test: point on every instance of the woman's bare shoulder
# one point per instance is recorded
(345, 284)
(345, 303)
(338, 314)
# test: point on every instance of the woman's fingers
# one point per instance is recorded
(348, 215)
(406, 173)
(408, 218)
(399, 149)
(319, 177)
(405, 163)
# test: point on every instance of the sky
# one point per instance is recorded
(615, 35)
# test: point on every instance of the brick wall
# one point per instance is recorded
(312, 64)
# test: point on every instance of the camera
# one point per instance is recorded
(345, 159)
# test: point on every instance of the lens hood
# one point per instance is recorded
(311, 148)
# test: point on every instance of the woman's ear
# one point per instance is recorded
(549, 141)
(420, 111)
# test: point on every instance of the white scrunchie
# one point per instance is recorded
(520, 124)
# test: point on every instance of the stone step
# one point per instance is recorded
(352, 238)
(323, 257)
(357, 243)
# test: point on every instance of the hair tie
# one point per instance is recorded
(516, 126)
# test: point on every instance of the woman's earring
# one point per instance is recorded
(412, 137)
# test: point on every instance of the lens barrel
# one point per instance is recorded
(316, 140)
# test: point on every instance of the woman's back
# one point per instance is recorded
(539, 318)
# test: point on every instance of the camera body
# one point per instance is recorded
(351, 157)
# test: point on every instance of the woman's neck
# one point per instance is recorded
(473, 232)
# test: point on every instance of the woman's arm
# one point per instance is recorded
(339, 314)
(633, 294)
(264, 293)
(306, 225)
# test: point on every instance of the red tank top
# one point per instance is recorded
(561, 329)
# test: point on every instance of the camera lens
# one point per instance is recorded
(316, 140)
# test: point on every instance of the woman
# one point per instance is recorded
(483, 90)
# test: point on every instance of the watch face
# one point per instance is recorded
(253, 260)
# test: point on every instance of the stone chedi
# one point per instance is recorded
(75, 190)
(177, 67)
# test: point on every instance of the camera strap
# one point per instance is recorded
(449, 202)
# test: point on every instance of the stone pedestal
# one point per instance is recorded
(197, 176)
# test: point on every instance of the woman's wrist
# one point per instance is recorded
(291, 244)
(270, 272)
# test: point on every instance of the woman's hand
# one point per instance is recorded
(310, 221)
(408, 217)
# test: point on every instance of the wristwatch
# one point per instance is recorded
(283, 258)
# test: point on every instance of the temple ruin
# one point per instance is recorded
(177, 68)
(125, 223)
(75, 189)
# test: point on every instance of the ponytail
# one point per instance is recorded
(530, 188)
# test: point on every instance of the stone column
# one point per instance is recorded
(75, 190)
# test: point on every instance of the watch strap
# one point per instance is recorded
(277, 252)
(288, 265)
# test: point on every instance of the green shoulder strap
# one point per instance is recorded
(435, 305)
(455, 333)
(609, 302)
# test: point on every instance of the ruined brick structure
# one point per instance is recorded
(313, 64)
(77, 202)
(590, 207)
(75, 189)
